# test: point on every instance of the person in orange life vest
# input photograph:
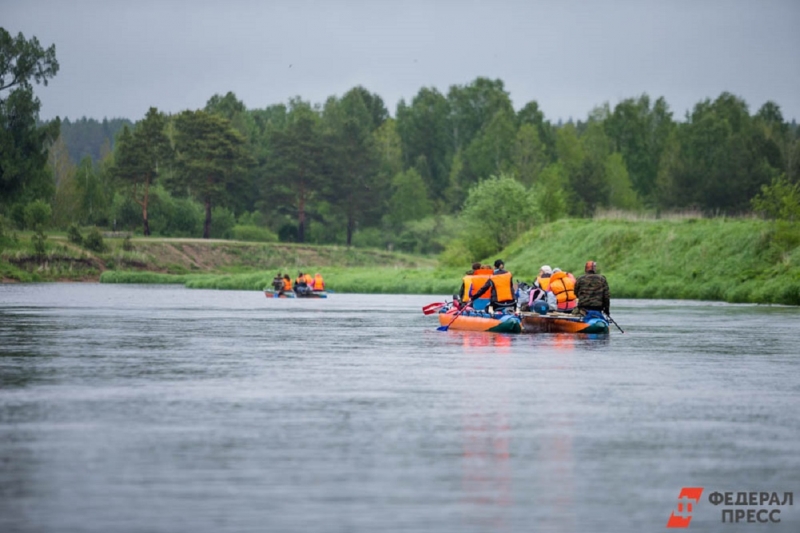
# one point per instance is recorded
(465, 280)
(539, 291)
(501, 285)
(287, 283)
(300, 284)
(467, 283)
(562, 287)
(543, 279)
(317, 283)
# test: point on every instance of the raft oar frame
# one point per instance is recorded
(460, 309)
(608, 316)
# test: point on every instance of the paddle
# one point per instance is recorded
(444, 328)
(432, 308)
(614, 322)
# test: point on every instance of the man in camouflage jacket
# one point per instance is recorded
(592, 291)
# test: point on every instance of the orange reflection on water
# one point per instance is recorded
(562, 341)
(487, 430)
(486, 456)
(480, 339)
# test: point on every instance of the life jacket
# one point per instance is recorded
(503, 292)
(300, 281)
(563, 286)
(287, 284)
(307, 279)
(474, 281)
(319, 285)
(544, 282)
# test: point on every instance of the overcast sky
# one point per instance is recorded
(118, 58)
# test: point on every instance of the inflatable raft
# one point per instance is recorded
(270, 293)
(471, 320)
(594, 322)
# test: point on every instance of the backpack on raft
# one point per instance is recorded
(523, 295)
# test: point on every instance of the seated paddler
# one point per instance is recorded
(277, 283)
(300, 284)
(592, 292)
(562, 289)
(474, 279)
(500, 286)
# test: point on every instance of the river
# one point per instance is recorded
(164, 409)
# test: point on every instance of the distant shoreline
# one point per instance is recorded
(722, 259)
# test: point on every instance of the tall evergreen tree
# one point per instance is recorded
(353, 179)
(142, 156)
(293, 172)
(211, 157)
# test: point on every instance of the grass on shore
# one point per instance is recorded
(733, 260)
(380, 280)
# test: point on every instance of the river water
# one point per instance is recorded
(164, 409)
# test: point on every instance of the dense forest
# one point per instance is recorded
(87, 137)
(460, 171)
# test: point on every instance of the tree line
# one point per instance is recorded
(461, 170)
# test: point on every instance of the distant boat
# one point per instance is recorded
(271, 293)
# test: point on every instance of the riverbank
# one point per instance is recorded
(164, 260)
(732, 260)
(722, 259)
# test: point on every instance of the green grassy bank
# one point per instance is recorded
(377, 279)
(220, 264)
(733, 260)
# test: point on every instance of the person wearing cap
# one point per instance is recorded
(501, 285)
(543, 279)
(592, 291)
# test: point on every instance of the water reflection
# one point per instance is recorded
(555, 462)
(486, 431)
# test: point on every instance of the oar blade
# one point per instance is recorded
(432, 308)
